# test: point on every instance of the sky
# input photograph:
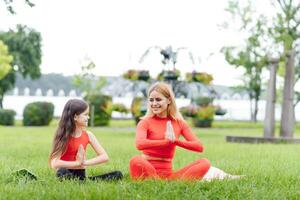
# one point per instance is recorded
(114, 35)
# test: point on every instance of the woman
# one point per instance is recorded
(158, 134)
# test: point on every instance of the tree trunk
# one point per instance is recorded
(251, 108)
(269, 123)
(255, 109)
(1, 100)
(287, 111)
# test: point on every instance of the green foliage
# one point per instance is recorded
(202, 116)
(87, 82)
(7, 117)
(102, 108)
(252, 56)
(201, 77)
(38, 114)
(206, 113)
(203, 101)
(138, 108)
(131, 75)
(168, 75)
(189, 111)
(119, 107)
(137, 75)
(201, 110)
(5, 60)
(24, 45)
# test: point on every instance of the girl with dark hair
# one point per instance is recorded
(70, 141)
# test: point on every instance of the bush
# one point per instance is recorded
(7, 117)
(119, 107)
(203, 101)
(189, 111)
(138, 108)
(204, 116)
(102, 108)
(38, 114)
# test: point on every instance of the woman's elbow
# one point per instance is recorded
(199, 149)
(139, 146)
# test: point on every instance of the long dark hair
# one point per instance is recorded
(66, 126)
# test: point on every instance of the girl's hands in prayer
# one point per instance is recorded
(80, 157)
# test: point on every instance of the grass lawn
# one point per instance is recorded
(272, 170)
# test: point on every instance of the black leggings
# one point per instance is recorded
(63, 173)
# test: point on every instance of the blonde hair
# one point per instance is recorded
(166, 90)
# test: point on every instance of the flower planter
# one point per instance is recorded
(221, 112)
(134, 75)
(143, 75)
(168, 75)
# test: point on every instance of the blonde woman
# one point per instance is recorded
(157, 136)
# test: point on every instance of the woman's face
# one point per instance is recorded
(158, 104)
(83, 118)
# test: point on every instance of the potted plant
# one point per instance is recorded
(204, 116)
(200, 77)
(143, 75)
(134, 75)
(168, 75)
(189, 111)
(220, 111)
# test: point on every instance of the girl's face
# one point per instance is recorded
(82, 119)
(158, 104)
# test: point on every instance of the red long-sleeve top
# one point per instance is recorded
(150, 137)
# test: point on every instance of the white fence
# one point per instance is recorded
(236, 109)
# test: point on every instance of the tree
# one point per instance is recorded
(91, 85)
(252, 55)
(87, 82)
(24, 45)
(283, 32)
(10, 8)
(5, 60)
(269, 122)
(286, 31)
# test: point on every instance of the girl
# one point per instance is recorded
(158, 134)
(70, 141)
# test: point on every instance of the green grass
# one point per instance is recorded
(272, 170)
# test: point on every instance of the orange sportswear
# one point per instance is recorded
(150, 138)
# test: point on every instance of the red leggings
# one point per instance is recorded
(140, 168)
